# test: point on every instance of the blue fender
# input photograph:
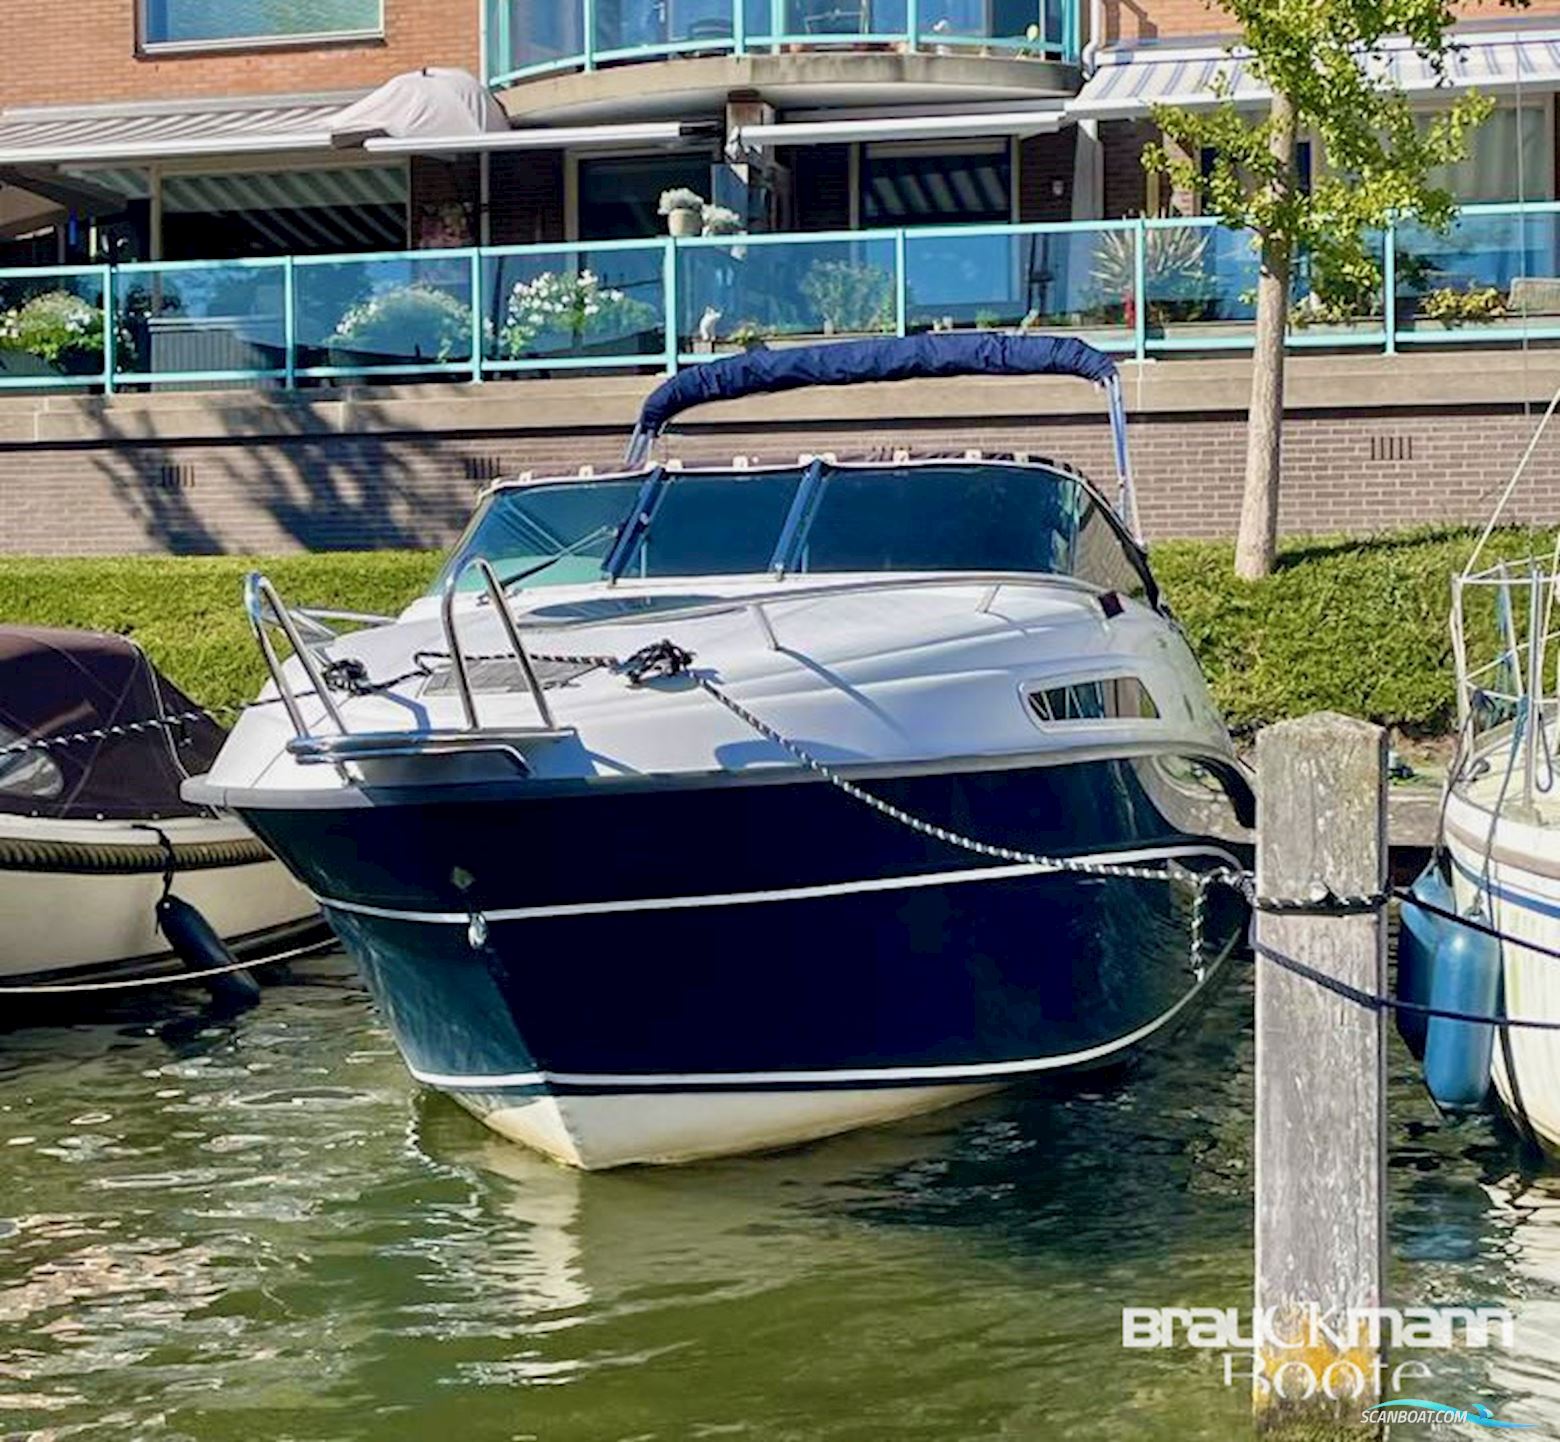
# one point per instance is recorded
(1458, 1054)
(1419, 934)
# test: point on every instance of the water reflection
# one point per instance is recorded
(261, 1229)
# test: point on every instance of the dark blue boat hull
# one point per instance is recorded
(756, 937)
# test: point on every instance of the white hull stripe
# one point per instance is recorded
(795, 893)
(875, 1076)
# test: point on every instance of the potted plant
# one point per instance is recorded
(1174, 273)
(56, 333)
(850, 298)
(684, 211)
(400, 326)
(1453, 307)
(559, 313)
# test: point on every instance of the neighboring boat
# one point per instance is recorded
(91, 818)
(588, 855)
(1498, 861)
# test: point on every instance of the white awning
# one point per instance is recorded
(953, 126)
(1130, 81)
(650, 132)
(81, 135)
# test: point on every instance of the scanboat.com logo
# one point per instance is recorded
(1414, 1409)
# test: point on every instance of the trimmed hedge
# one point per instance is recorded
(1354, 625)
(188, 612)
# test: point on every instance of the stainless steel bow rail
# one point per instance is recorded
(266, 609)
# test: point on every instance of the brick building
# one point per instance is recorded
(191, 189)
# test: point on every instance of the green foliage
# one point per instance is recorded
(556, 311)
(187, 611)
(418, 321)
(1451, 306)
(53, 325)
(1357, 625)
(849, 298)
(1379, 154)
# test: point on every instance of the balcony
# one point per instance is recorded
(1143, 289)
(527, 38)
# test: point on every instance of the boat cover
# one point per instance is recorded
(57, 683)
(844, 363)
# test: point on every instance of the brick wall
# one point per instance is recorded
(1043, 162)
(1344, 471)
(525, 197)
(85, 52)
(1129, 21)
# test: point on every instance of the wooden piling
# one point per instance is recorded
(1321, 1068)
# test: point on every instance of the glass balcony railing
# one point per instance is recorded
(531, 37)
(1135, 287)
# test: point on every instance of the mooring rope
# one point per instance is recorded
(178, 978)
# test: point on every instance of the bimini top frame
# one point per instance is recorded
(921, 357)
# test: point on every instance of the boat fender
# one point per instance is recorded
(1419, 935)
(1465, 977)
(198, 946)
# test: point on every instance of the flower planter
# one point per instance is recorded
(683, 224)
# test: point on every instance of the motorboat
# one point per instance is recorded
(702, 810)
(94, 746)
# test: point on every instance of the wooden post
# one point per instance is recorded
(1321, 1071)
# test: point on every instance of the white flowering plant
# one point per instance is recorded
(53, 326)
(720, 220)
(557, 310)
(680, 198)
(418, 321)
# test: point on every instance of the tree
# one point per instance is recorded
(1320, 60)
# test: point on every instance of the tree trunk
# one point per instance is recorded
(1258, 544)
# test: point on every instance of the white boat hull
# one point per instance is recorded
(597, 1132)
(1524, 899)
(60, 921)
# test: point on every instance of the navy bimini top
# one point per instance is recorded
(846, 363)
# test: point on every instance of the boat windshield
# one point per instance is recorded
(811, 520)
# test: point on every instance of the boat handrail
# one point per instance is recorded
(458, 664)
(260, 595)
(1512, 693)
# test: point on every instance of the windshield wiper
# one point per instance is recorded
(570, 550)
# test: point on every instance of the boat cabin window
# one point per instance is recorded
(560, 534)
(1111, 698)
(941, 518)
(715, 525)
(810, 520)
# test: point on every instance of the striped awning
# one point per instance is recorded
(1130, 81)
(97, 134)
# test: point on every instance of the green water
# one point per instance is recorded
(260, 1229)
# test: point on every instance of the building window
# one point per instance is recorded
(915, 184)
(246, 22)
(619, 195)
(1509, 158)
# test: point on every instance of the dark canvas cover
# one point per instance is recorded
(56, 683)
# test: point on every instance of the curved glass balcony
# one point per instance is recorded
(533, 37)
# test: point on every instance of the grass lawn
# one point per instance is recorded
(1353, 625)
